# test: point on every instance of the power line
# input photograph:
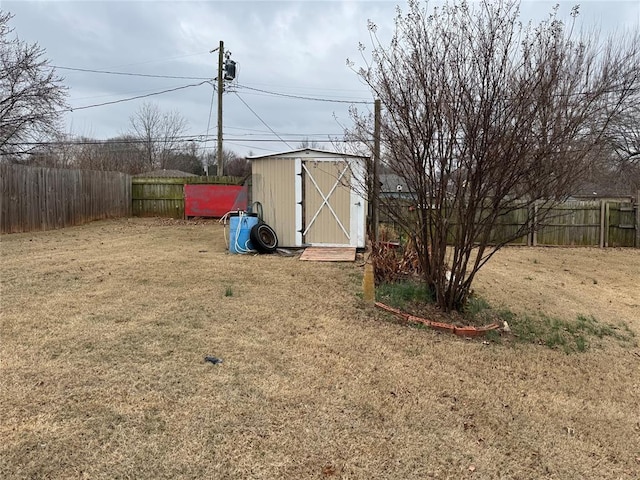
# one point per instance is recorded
(112, 94)
(304, 97)
(291, 140)
(252, 147)
(614, 89)
(138, 141)
(160, 60)
(176, 77)
(282, 133)
(134, 74)
(213, 96)
(309, 135)
(111, 141)
(263, 122)
(129, 74)
(72, 109)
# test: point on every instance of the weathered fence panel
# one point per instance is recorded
(157, 200)
(622, 225)
(35, 198)
(164, 196)
(509, 224)
(571, 223)
(593, 223)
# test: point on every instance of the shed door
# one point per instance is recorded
(327, 203)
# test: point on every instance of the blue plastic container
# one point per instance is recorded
(239, 230)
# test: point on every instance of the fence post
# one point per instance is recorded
(607, 221)
(602, 215)
(637, 225)
(369, 282)
(534, 230)
(530, 226)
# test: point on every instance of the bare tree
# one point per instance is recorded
(307, 143)
(484, 117)
(121, 154)
(160, 133)
(623, 137)
(187, 160)
(234, 165)
(31, 94)
(238, 167)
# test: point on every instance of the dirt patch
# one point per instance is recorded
(104, 329)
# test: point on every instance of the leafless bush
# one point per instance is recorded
(482, 116)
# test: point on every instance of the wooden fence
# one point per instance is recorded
(597, 223)
(34, 198)
(164, 196)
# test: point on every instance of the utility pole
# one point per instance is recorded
(226, 72)
(375, 214)
(220, 91)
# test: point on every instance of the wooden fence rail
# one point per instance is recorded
(34, 198)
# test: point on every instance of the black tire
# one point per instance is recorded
(263, 238)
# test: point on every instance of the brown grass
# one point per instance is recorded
(105, 327)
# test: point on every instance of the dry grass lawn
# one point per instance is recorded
(104, 329)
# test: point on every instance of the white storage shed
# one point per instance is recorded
(312, 197)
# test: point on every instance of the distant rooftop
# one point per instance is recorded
(393, 183)
(611, 189)
(165, 173)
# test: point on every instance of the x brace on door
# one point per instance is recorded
(325, 200)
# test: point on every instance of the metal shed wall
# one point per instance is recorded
(274, 187)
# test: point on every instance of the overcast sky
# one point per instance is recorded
(296, 48)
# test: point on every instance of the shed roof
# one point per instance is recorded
(305, 152)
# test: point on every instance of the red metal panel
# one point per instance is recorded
(213, 200)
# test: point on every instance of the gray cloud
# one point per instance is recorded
(296, 48)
